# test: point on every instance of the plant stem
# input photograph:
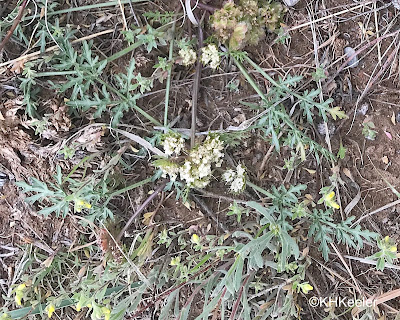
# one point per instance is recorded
(123, 52)
(257, 188)
(54, 73)
(139, 210)
(130, 187)
(283, 88)
(196, 86)
(14, 25)
(249, 78)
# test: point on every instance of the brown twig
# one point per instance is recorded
(14, 25)
(140, 209)
(207, 210)
(239, 297)
(204, 6)
(196, 87)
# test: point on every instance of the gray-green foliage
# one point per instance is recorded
(66, 192)
(83, 84)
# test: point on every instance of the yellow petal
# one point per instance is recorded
(106, 313)
(175, 261)
(330, 195)
(393, 249)
(21, 287)
(195, 239)
(306, 288)
(51, 308)
(334, 205)
(18, 299)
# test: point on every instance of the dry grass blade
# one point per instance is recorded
(145, 144)
(348, 270)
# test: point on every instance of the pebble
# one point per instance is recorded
(349, 51)
(363, 109)
(321, 128)
(3, 179)
(398, 117)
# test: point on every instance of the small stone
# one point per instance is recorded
(349, 53)
(322, 131)
(363, 109)
(398, 117)
(3, 179)
(291, 3)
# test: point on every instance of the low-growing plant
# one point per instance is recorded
(368, 130)
(246, 22)
(387, 253)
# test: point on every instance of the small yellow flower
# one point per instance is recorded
(175, 261)
(18, 299)
(50, 309)
(21, 287)
(387, 239)
(195, 239)
(81, 204)
(329, 200)
(78, 306)
(306, 287)
(19, 294)
(106, 312)
(393, 249)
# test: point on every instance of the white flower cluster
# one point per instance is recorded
(236, 179)
(169, 168)
(196, 171)
(210, 56)
(172, 143)
(188, 56)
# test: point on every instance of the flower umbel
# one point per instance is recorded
(188, 56)
(196, 170)
(236, 179)
(210, 55)
(172, 143)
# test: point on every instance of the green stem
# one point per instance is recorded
(124, 51)
(257, 188)
(130, 187)
(283, 88)
(249, 78)
(260, 70)
(54, 73)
